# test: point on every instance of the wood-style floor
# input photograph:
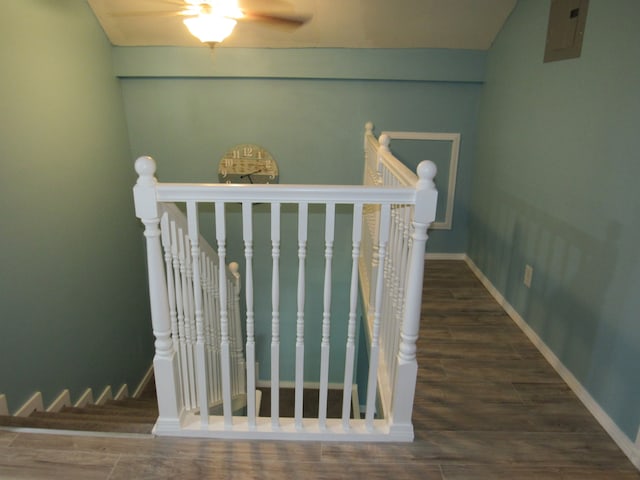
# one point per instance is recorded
(488, 406)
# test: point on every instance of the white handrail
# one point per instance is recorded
(208, 192)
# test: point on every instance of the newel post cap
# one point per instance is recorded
(368, 127)
(426, 193)
(384, 141)
(144, 192)
(234, 268)
(145, 168)
(426, 173)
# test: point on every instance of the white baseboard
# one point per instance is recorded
(629, 449)
(106, 394)
(34, 403)
(445, 256)
(62, 400)
(122, 393)
(85, 399)
(4, 408)
(143, 383)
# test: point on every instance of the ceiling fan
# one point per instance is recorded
(211, 21)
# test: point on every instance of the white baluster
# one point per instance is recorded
(302, 253)
(275, 316)
(166, 246)
(388, 305)
(200, 354)
(407, 213)
(181, 351)
(171, 290)
(207, 289)
(383, 149)
(384, 308)
(407, 370)
(375, 267)
(375, 335)
(221, 237)
(215, 341)
(231, 314)
(247, 234)
(351, 328)
(238, 362)
(165, 363)
(394, 303)
(187, 295)
(326, 315)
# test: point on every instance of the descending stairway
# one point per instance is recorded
(129, 415)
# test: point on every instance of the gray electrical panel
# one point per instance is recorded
(567, 19)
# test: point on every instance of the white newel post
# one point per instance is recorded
(407, 366)
(165, 363)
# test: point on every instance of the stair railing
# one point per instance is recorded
(391, 280)
(389, 254)
(186, 301)
(198, 345)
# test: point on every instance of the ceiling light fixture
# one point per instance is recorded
(210, 29)
(215, 22)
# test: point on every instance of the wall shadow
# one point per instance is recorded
(581, 283)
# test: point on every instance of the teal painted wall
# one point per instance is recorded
(555, 186)
(185, 107)
(73, 300)
(314, 128)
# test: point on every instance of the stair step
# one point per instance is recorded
(134, 403)
(111, 409)
(148, 394)
(51, 422)
(110, 418)
(152, 407)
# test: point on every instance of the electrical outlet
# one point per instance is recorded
(528, 274)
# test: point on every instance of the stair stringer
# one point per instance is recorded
(36, 402)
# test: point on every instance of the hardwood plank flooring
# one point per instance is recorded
(488, 406)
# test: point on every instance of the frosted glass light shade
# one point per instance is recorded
(210, 28)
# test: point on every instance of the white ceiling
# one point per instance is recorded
(465, 24)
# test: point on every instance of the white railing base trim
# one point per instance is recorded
(85, 399)
(107, 394)
(33, 404)
(122, 393)
(144, 381)
(192, 427)
(62, 400)
(170, 424)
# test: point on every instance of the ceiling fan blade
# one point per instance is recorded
(147, 14)
(290, 21)
(257, 5)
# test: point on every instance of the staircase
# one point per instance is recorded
(129, 415)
